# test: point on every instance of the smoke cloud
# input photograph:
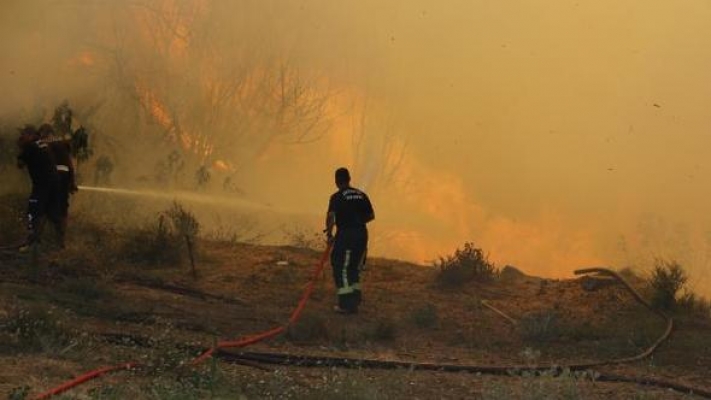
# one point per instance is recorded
(553, 134)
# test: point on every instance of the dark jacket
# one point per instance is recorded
(35, 155)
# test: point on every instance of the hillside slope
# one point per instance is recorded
(75, 310)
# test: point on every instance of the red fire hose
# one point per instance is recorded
(86, 378)
(501, 369)
(243, 342)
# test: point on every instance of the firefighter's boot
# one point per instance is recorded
(34, 228)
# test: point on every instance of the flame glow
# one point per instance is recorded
(548, 141)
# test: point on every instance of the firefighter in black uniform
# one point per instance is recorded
(349, 210)
(35, 155)
(61, 152)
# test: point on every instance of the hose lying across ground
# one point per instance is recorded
(246, 341)
(641, 300)
(222, 351)
(311, 361)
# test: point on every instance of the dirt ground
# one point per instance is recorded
(74, 310)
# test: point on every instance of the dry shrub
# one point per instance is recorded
(163, 242)
(465, 265)
(668, 278)
(153, 245)
(303, 238)
(183, 222)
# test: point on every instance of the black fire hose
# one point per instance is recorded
(256, 358)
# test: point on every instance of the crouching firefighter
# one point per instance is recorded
(349, 210)
(35, 155)
(60, 150)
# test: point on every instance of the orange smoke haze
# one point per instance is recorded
(554, 135)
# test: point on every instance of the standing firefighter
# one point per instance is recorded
(61, 152)
(349, 210)
(35, 155)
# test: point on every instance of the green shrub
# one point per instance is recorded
(465, 265)
(667, 279)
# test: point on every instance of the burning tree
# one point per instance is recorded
(205, 94)
(219, 83)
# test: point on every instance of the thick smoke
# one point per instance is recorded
(554, 135)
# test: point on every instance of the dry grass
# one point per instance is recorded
(425, 317)
(403, 314)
